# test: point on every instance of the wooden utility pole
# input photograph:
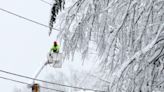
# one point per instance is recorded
(35, 87)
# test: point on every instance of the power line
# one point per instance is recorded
(19, 16)
(28, 84)
(99, 78)
(14, 80)
(51, 82)
(46, 2)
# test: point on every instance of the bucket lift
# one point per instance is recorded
(55, 59)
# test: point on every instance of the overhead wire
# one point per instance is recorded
(19, 16)
(46, 2)
(29, 84)
(51, 82)
(99, 78)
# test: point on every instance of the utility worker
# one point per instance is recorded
(54, 57)
(55, 48)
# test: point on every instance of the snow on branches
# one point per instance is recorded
(127, 35)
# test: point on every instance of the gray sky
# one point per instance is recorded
(24, 45)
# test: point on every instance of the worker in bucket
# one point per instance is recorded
(55, 48)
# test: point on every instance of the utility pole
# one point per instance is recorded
(35, 87)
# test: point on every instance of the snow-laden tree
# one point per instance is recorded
(128, 37)
(60, 78)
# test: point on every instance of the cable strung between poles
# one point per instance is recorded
(29, 84)
(27, 19)
(46, 2)
(51, 82)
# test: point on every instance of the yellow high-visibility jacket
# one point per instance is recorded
(55, 49)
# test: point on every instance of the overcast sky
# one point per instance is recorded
(23, 45)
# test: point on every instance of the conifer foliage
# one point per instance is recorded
(57, 6)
